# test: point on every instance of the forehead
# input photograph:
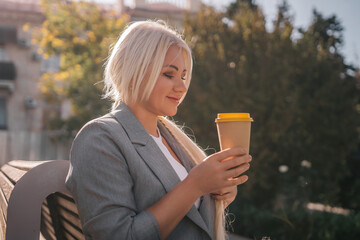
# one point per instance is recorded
(175, 55)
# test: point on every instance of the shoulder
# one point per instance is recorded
(104, 122)
(101, 134)
(117, 130)
(103, 126)
(100, 142)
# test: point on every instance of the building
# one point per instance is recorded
(171, 11)
(23, 113)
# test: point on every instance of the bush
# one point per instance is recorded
(294, 224)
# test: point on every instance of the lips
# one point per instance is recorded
(174, 99)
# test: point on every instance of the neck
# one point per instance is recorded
(146, 118)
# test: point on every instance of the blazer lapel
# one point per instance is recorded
(146, 147)
(155, 159)
(207, 211)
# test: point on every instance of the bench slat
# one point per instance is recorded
(2, 226)
(74, 220)
(3, 204)
(24, 164)
(45, 210)
(68, 236)
(49, 225)
(6, 189)
(6, 185)
(70, 229)
(68, 210)
(68, 205)
(46, 217)
(14, 174)
(47, 230)
(65, 195)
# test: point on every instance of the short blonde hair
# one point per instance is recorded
(141, 47)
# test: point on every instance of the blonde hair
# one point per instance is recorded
(142, 46)
(197, 155)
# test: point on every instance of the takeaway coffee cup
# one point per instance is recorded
(234, 130)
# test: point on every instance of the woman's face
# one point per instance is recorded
(170, 86)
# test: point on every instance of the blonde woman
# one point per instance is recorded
(134, 174)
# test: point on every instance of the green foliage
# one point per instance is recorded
(80, 33)
(300, 93)
(350, 184)
(294, 224)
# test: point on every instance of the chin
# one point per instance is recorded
(170, 113)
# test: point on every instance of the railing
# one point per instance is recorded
(21, 5)
(25, 145)
(177, 3)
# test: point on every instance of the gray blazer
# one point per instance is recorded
(117, 171)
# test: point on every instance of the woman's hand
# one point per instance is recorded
(216, 173)
(227, 195)
(221, 172)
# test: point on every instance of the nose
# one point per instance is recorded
(180, 86)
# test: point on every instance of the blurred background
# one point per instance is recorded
(294, 65)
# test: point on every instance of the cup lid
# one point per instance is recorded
(233, 117)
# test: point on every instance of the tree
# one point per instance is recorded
(327, 94)
(80, 33)
(298, 92)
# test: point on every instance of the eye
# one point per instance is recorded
(168, 75)
(183, 77)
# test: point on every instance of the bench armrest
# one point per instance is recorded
(24, 209)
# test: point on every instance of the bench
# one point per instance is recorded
(33, 198)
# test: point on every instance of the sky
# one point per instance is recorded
(347, 12)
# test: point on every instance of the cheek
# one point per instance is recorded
(157, 96)
(162, 87)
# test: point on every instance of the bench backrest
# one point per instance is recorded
(33, 196)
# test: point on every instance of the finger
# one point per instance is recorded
(218, 196)
(237, 181)
(237, 171)
(230, 152)
(222, 197)
(225, 190)
(237, 161)
(220, 193)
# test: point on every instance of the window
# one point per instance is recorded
(8, 35)
(3, 55)
(2, 113)
(7, 71)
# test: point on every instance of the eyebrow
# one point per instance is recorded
(173, 66)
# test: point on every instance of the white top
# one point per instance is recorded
(179, 169)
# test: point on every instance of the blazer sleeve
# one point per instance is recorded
(101, 185)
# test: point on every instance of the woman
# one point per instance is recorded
(134, 174)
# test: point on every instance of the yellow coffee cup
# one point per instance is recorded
(234, 130)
